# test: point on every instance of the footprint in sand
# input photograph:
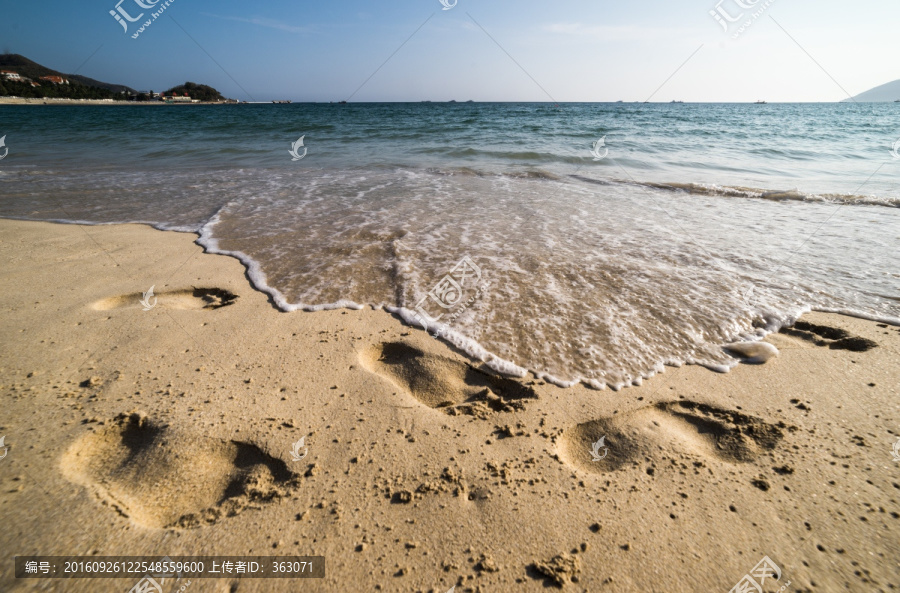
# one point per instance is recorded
(441, 382)
(833, 337)
(185, 299)
(163, 478)
(682, 428)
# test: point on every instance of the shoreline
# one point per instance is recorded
(453, 338)
(59, 101)
(422, 465)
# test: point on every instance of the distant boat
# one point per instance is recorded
(342, 102)
(677, 101)
(281, 102)
(897, 101)
(760, 102)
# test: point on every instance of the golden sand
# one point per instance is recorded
(170, 431)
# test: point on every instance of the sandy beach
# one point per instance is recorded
(170, 431)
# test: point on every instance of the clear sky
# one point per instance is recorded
(571, 50)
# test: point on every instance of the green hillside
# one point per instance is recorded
(201, 92)
(34, 71)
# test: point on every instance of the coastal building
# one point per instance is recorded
(147, 96)
(55, 79)
(179, 99)
(10, 75)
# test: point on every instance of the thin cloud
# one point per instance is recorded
(263, 22)
(607, 32)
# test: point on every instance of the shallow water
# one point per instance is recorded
(703, 224)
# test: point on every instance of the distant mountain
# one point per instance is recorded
(880, 94)
(35, 71)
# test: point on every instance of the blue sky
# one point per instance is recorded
(570, 50)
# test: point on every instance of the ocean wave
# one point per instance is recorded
(729, 191)
(503, 155)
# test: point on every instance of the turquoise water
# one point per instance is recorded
(824, 148)
(701, 224)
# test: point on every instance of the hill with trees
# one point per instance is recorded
(81, 87)
(34, 71)
(200, 92)
(48, 90)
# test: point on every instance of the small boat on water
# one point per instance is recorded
(282, 102)
(761, 102)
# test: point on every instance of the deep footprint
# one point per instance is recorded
(441, 382)
(682, 428)
(185, 299)
(833, 337)
(160, 478)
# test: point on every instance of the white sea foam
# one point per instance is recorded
(258, 277)
(599, 284)
(415, 260)
(889, 320)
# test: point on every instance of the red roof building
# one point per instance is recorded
(55, 79)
